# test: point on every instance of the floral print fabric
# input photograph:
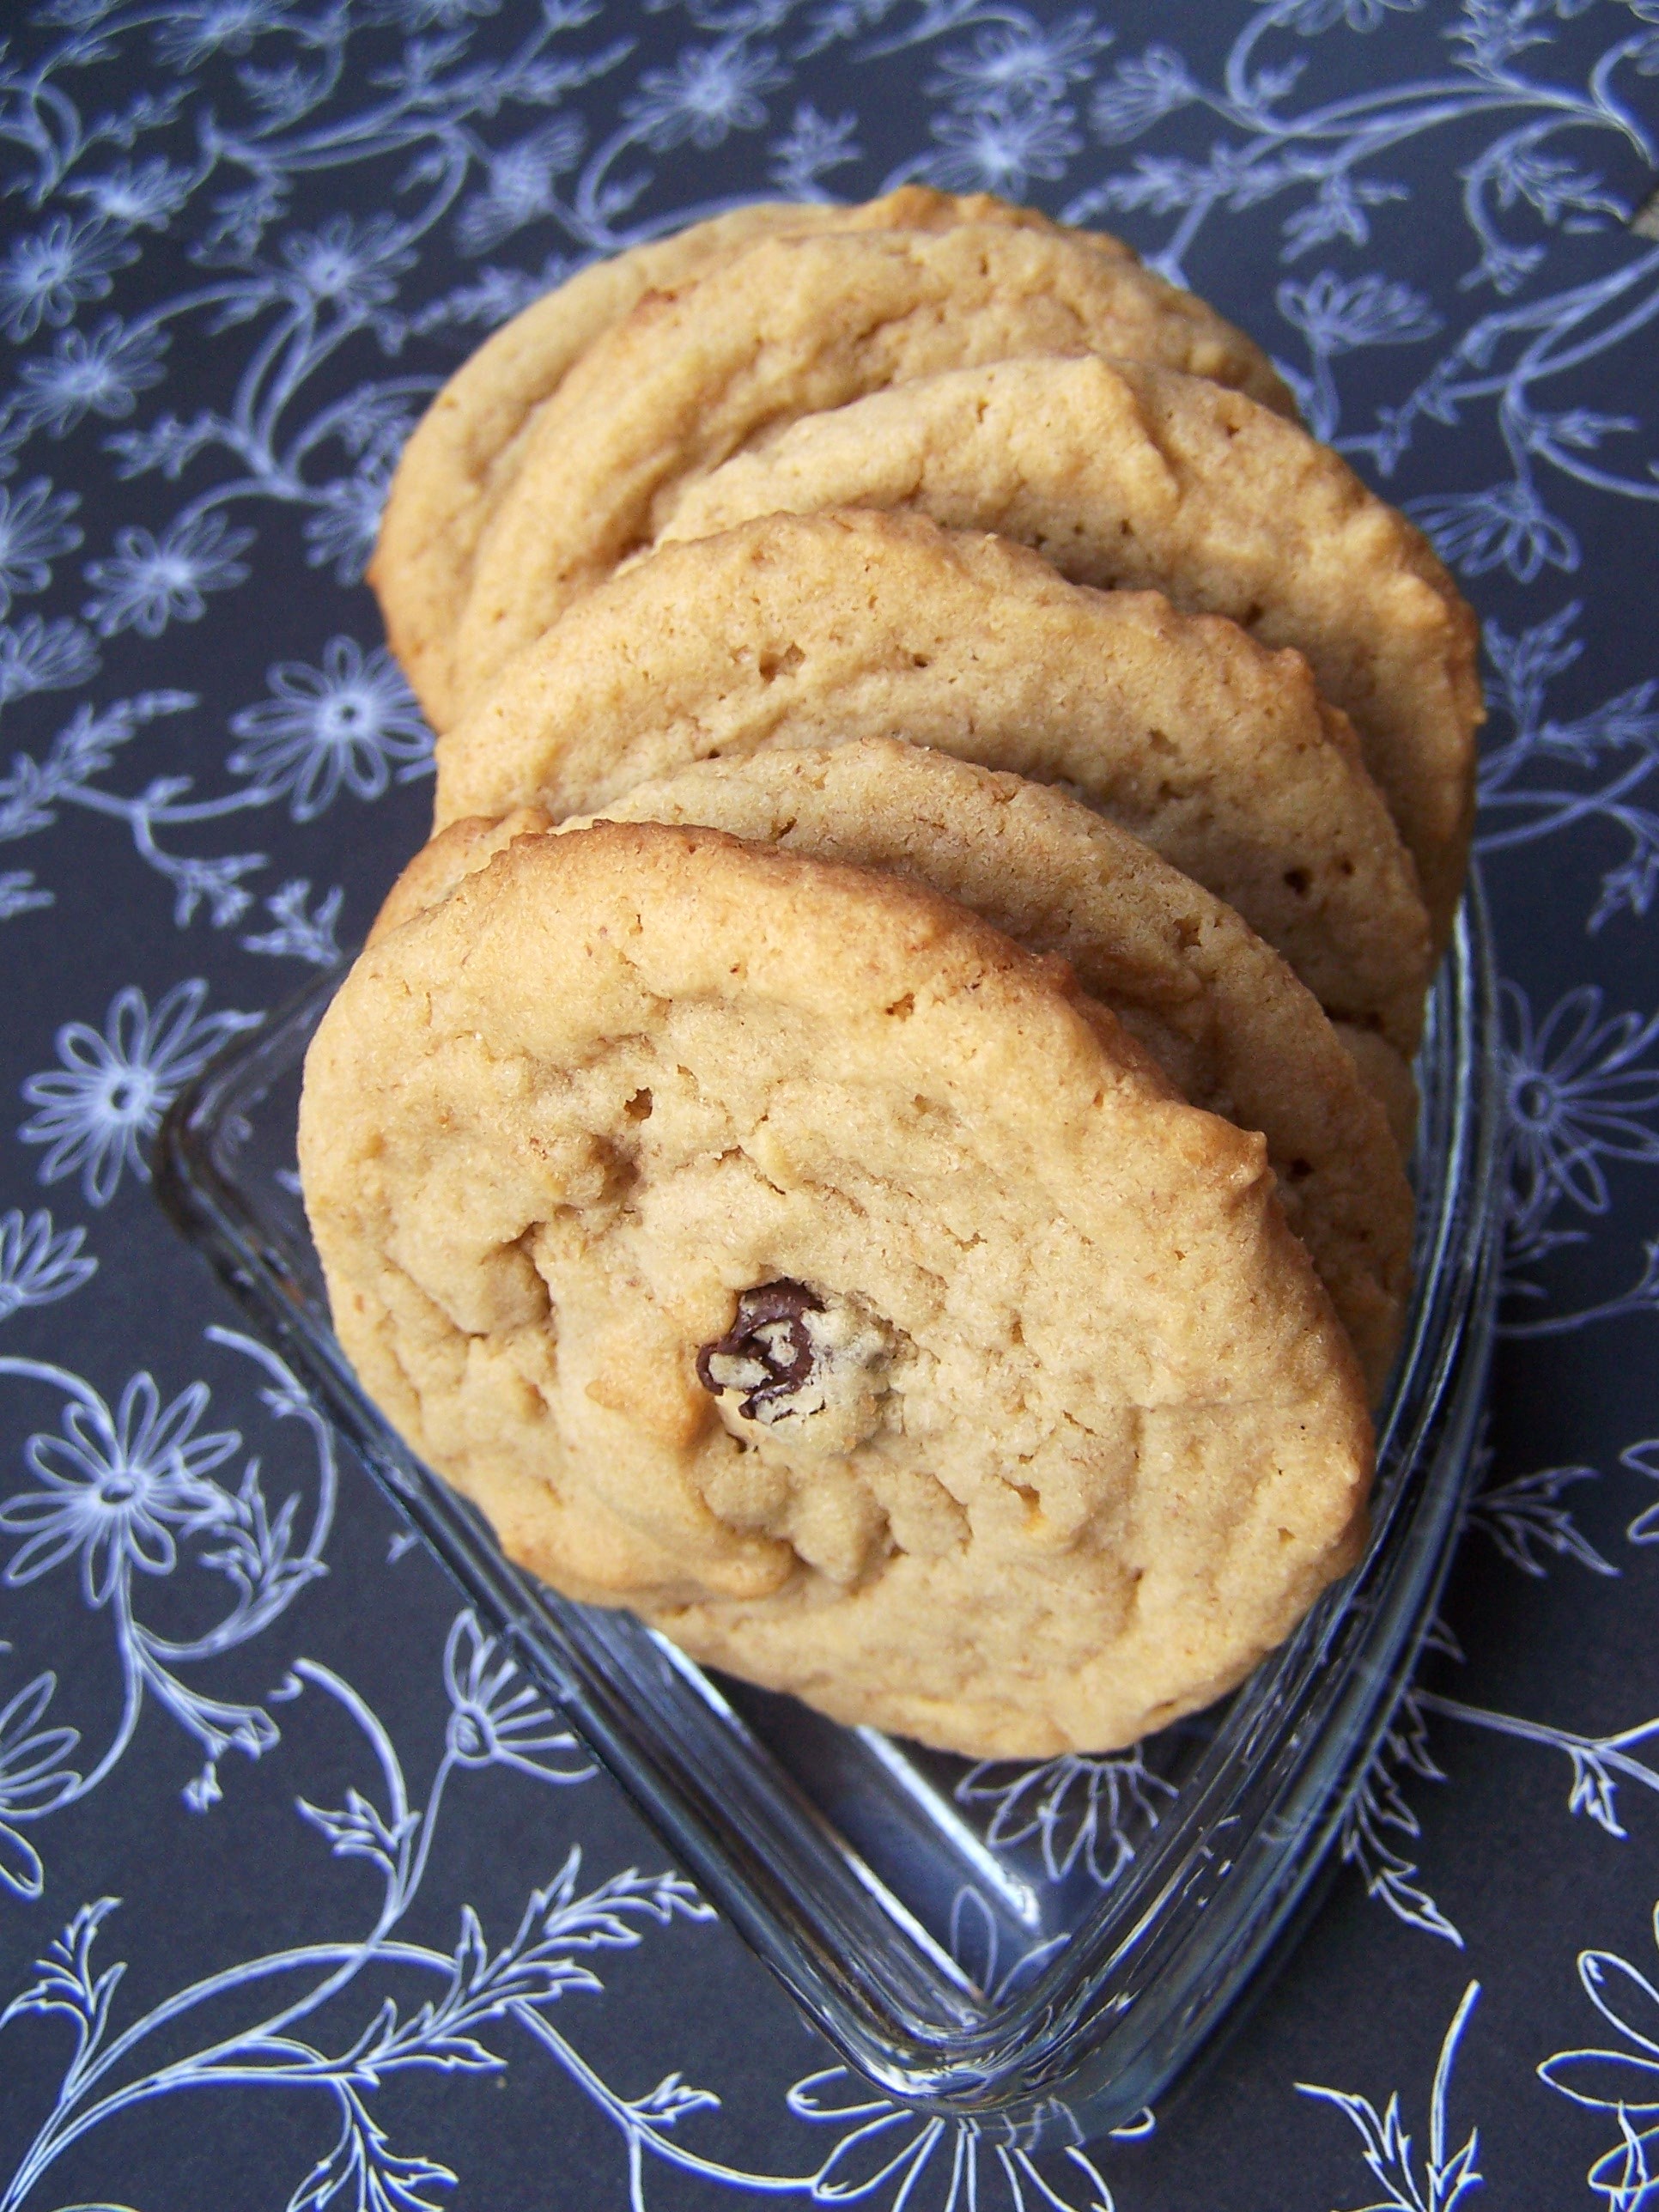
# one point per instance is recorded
(280, 1827)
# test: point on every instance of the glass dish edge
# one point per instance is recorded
(1147, 1978)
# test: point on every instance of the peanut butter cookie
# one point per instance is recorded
(786, 327)
(1215, 1008)
(811, 630)
(773, 1246)
(467, 449)
(1121, 474)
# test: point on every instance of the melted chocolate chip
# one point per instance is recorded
(768, 1350)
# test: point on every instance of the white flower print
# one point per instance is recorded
(300, 935)
(38, 1266)
(34, 1780)
(1011, 61)
(1000, 148)
(812, 145)
(903, 2161)
(1502, 528)
(1623, 2081)
(109, 1096)
(349, 721)
(710, 92)
(34, 532)
(1643, 1459)
(45, 656)
(149, 581)
(1525, 1520)
(1094, 1811)
(497, 1717)
(20, 894)
(354, 265)
(1574, 1090)
(489, 298)
(143, 195)
(976, 1946)
(434, 14)
(1312, 16)
(48, 274)
(1449, 2174)
(124, 1490)
(1336, 316)
(202, 28)
(1138, 94)
(116, 1487)
(341, 529)
(518, 182)
(1381, 1804)
(102, 374)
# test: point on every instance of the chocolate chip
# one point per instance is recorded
(767, 1352)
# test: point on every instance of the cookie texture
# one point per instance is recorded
(465, 450)
(1215, 1008)
(1124, 474)
(773, 1246)
(788, 326)
(813, 630)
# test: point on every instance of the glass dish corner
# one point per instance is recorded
(1035, 1949)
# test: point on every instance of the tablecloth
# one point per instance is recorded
(307, 1900)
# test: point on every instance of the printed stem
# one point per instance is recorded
(1610, 1750)
(639, 2132)
(1443, 2078)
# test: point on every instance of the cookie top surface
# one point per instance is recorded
(1088, 1435)
(1216, 1009)
(788, 326)
(814, 629)
(1124, 474)
(465, 450)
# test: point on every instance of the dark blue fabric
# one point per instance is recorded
(243, 240)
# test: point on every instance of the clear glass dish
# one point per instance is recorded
(1040, 1946)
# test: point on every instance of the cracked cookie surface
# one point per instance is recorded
(788, 326)
(464, 452)
(1098, 1438)
(811, 630)
(1221, 1015)
(1125, 474)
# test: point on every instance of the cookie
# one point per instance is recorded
(773, 1246)
(813, 628)
(1127, 474)
(1216, 1009)
(465, 450)
(1220, 1012)
(445, 862)
(786, 327)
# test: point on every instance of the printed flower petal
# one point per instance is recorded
(876, 2152)
(40, 1554)
(1608, 2079)
(20, 1864)
(1622, 1996)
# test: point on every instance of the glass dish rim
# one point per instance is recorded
(1018, 2055)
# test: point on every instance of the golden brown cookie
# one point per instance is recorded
(1220, 1012)
(786, 327)
(773, 1246)
(1217, 1010)
(465, 450)
(811, 630)
(1129, 475)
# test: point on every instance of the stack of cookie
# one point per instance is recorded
(873, 1132)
